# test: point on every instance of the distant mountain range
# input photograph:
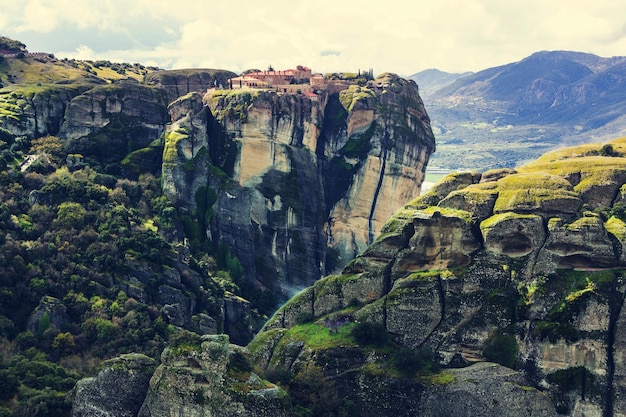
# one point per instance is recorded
(431, 80)
(506, 115)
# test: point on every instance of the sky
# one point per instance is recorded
(401, 36)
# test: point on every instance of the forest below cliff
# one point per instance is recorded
(98, 260)
(90, 249)
(68, 236)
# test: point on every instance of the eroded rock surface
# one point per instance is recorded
(213, 379)
(298, 186)
(521, 267)
(117, 391)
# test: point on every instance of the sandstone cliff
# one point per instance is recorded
(97, 117)
(37, 110)
(522, 267)
(108, 122)
(298, 186)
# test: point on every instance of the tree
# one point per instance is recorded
(71, 214)
(50, 145)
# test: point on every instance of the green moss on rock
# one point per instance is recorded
(617, 228)
(353, 95)
(536, 191)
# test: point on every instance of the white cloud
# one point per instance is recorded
(82, 52)
(402, 36)
(38, 17)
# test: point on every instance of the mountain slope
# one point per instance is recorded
(432, 80)
(513, 113)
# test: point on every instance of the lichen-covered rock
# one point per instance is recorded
(37, 110)
(213, 379)
(112, 120)
(513, 234)
(476, 199)
(117, 391)
(486, 390)
(177, 83)
(442, 239)
(583, 243)
(50, 312)
(451, 182)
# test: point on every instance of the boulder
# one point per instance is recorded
(117, 391)
(486, 390)
(213, 379)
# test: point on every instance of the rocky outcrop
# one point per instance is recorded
(197, 377)
(177, 83)
(486, 389)
(114, 120)
(117, 391)
(297, 186)
(50, 312)
(38, 110)
(510, 267)
(213, 379)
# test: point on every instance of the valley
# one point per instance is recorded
(508, 115)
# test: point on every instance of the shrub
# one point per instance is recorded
(185, 341)
(9, 384)
(501, 348)
(71, 214)
(409, 361)
(607, 150)
(370, 334)
(238, 362)
(578, 378)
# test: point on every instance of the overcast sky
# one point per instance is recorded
(402, 36)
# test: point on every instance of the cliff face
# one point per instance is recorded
(300, 186)
(37, 110)
(96, 117)
(493, 294)
(114, 120)
(524, 268)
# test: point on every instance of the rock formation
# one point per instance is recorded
(39, 110)
(493, 294)
(521, 267)
(297, 186)
(197, 377)
(212, 378)
(177, 83)
(117, 391)
(290, 186)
